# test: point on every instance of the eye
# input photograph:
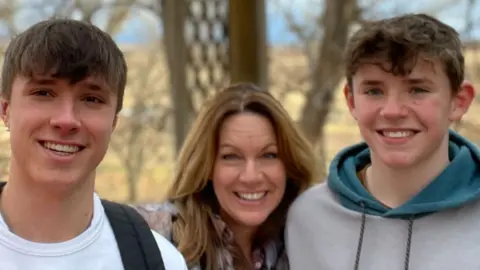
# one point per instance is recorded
(229, 156)
(42, 93)
(270, 155)
(373, 92)
(418, 90)
(93, 99)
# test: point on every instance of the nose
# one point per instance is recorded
(64, 118)
(394, 108)
(250, 173)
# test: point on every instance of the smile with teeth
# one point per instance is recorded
(251, 196)
(61, 148)
(397, 134)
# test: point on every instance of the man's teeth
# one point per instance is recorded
(397, 134)
(251, 196)
(61, 147)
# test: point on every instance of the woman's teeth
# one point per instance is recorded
(251, 196)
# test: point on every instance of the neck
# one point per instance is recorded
(43, 215)
(394, 187)
(243, 236)
(244, 239)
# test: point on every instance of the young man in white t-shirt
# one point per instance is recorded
(62, 87)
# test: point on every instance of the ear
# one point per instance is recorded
(348, 93)
(461, 101)
(5, 111)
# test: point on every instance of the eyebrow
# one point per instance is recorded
(50, 81)
(372, 82)
(227, 145)
(419, 80)
(94, 86)
(409, 80)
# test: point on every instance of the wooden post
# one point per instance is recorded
(248, 48)
(174, 14)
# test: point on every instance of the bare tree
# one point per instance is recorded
(139, 137)
(336, 21)
(118, 12)
(322, 40)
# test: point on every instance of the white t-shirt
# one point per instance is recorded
(94, 249)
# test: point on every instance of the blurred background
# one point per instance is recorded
(180, 52)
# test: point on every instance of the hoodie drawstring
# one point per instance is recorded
(362, 232)
(409, 243)
(360, 238)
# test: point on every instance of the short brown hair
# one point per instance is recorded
(401, 40)
(67, 49)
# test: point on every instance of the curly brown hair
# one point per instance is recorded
(400, 41)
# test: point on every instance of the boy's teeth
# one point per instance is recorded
(61, 147)
(251, 196)
(397, 134)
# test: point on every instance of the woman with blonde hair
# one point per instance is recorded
(240, 168)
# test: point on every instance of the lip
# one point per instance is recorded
(257, 191)
(251, 203)
(70, 143)
(59, 159)
(397, 129)
(396, 141)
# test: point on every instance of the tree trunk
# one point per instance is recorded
(328, 73)
(132, 186)
(174, 15)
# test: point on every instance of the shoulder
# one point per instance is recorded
(312, 194)
(159, 217)
(312, 197)
(172, 258)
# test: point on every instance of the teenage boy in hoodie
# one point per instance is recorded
(408, 197)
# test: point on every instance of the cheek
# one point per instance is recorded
(276, 175)
(432, 112)
(222, 177)
(101, 128)
(277, 180)
(366, 119)
(365, 111)
(222, 182)
(22, 125)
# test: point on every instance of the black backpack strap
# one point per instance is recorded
(137, 245)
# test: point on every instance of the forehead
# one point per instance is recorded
(423, 69)
(247, 128)
(90, 82)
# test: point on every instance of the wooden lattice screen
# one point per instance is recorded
(207, 42)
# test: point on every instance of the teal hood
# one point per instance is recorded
(458, 184)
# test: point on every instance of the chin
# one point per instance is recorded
(252, 220)
(61, 179)
(398, 161)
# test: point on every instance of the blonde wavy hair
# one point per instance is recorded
(192, 191)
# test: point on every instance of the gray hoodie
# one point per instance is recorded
(339, 225)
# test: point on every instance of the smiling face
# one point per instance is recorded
(405, 119)
(249, 179)
(59, 132)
